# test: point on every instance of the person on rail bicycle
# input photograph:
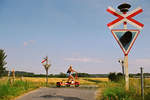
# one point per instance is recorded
(70, 71)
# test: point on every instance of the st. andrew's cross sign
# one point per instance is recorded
(125, 18)
(125, 38)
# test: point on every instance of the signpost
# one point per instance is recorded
(46, 66)
(125, 37)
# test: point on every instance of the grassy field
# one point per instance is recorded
(9, 90)
(83, 81)
(116, 91)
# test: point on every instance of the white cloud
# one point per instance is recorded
(84, 59)
(26, 43)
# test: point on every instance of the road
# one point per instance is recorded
(60, 94)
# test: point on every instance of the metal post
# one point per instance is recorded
(126, 72)
(142, 84)
(122, 65)
(122, 69)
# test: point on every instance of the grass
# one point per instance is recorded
(116, 90)
(9, 91)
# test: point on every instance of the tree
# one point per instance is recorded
(2, 62)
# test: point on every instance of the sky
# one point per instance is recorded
(69, 32)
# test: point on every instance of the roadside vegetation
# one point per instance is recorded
(114, 89)
(9, 89)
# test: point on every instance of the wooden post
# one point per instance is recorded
(46, 77)
(142, 84)
(46, 66)
(8, 75)
(13, 75)
(126, 72)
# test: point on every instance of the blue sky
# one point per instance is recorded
(69, 32)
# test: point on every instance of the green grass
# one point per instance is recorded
(116, 91)
(9, 91)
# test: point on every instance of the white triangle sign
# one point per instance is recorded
(125, 38)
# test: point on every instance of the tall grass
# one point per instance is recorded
(8, 91)
(116, 91)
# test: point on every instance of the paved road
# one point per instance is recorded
(60, 94)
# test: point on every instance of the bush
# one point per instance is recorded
(116, 77)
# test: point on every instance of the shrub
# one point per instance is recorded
(116, 77)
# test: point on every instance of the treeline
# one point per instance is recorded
(63, 75)
(60, 75)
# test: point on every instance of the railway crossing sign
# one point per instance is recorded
(125, 38)
(123, 17)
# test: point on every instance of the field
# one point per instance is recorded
(83, 81)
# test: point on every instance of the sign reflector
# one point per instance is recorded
(125, 38)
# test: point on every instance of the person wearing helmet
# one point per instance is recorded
(69, 74)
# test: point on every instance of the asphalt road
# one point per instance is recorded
(60, 94)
